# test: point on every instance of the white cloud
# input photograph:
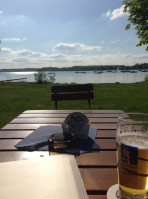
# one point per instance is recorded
(138, 57)
(27, 53)
(13, 39)
(57, 56)
(107, 14)
(21, 60)
(75, 47)
(118, 13)
(24, 52)
(6, 50)
(16, 22)
(11, 58)
(63, 58)
(1, 12)
(115, 13)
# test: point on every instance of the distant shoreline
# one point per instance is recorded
(82, 68)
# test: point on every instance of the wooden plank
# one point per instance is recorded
(70, 111)
(72, 88)
(8, 144)
(105, 144)
(97, 196)
(23, 133)
(64, 115)
(43, 115)
(35, 126)
(58, 120)
(16, 79)
(98, 180)
(14, 134)
(72, 96)
(24, 126)
(97, 159)
(106, 133)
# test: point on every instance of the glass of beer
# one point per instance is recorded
(132, 155)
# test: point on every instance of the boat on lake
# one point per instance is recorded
(80, 72)
(144, 70)
(124, 71)
(133, 71)
(98, 72)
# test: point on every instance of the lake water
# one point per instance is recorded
(87, 77)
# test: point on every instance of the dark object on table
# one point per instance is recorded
(77, 124)
(60, 141)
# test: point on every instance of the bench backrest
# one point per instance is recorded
(72, 92)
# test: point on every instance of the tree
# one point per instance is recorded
(146, 78)
(138, 16)
(52, 78)
(40, 76)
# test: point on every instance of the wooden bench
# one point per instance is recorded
(72, 92)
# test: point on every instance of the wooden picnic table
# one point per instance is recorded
(98, 168)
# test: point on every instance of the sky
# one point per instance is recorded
(65, 33)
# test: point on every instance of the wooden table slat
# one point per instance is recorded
(106, 133)
(14, 134)
(23, 133)
(35, 126)
(105, 144)
(97, 197)
(58, 120)
(70, 111)
(64, 115)
(96, 178)
(97, 159)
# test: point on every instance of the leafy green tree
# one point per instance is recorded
(40, 76)
(52, 78)
(146, 78)
(138, 16)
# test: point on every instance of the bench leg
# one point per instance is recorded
(56, 104)
(89, 103)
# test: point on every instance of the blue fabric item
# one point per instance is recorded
(38, 140)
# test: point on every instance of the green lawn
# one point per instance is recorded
(18, 97)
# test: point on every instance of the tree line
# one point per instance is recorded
(83, 68)
(98, 67)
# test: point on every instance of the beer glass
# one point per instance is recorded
(132, 155)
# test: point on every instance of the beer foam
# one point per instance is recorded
(135, 141)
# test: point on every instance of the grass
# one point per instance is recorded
(18, 97)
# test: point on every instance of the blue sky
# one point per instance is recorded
(64, 33)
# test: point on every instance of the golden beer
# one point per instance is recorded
(132, 155)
